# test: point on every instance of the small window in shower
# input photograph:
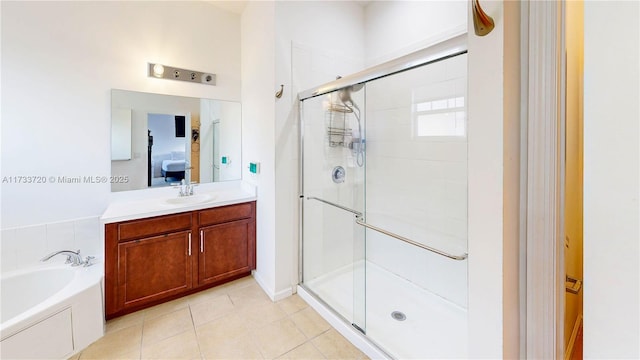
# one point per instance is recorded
(440, 117)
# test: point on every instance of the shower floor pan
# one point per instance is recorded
(433, 327)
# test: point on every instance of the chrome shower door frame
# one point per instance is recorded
(441, 51)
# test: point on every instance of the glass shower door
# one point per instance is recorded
(333, 170)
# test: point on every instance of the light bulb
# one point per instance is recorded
(158, 70)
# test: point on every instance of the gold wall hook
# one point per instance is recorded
(482, 23)
(279, 92)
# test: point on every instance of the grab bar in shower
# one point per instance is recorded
(334, 204)
(359, 221)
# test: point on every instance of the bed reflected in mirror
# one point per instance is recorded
(166, 151)
(172, 138)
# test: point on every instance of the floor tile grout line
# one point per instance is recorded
(307, 339)
(255, 343)
(315, 347)
(195, 333)
(252, 333)
(141, 335)
(302, 331)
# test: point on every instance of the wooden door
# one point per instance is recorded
(153, 268)
(226, 250)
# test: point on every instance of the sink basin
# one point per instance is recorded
(193, 199)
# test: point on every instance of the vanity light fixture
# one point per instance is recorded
(158, 70)
(174, 73)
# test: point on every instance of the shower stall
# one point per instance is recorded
(383, 192)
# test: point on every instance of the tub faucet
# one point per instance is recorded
(73, 257)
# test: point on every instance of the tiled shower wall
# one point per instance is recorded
(23, 247)
(416, 181)
(329, 231)
(331, 236)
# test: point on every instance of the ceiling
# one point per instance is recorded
(237, 6)
(234, 6)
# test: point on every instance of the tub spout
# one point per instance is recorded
(73, 257)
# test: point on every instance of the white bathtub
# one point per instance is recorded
(50, 311)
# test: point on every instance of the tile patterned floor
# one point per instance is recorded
(233, 321)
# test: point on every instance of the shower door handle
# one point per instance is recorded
(361, 222)
(357, 213)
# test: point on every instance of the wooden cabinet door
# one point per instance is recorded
(226, 250)
(153, 268)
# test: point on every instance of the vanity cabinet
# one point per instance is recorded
(151, 260)
(226, 242)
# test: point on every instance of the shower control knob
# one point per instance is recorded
(338, 174)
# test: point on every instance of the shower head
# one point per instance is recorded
(345, 93)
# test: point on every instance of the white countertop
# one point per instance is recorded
(130, 205)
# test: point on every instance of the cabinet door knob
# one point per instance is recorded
(201, 241)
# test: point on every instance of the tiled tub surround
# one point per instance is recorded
(23, 247)
(233, 321)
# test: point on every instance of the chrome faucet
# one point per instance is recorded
(186, 188)
(73, 258)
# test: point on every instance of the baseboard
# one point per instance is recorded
(282, 294)
(263, 284)
(572, 341)
(274, 296)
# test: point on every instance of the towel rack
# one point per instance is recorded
(359, 221)
(357, 213)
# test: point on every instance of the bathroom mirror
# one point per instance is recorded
(170, 138)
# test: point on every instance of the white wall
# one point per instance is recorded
(210, 113)
(511, 186)
(229, 137)
(493, 114)
(611, 180)
(220, 135)
(59, 62)
(258, 118)
(272, 35)
(315, 42)
(396, 28)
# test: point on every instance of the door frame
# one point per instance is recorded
(543, 155)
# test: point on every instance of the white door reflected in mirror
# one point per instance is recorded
(120, 134)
